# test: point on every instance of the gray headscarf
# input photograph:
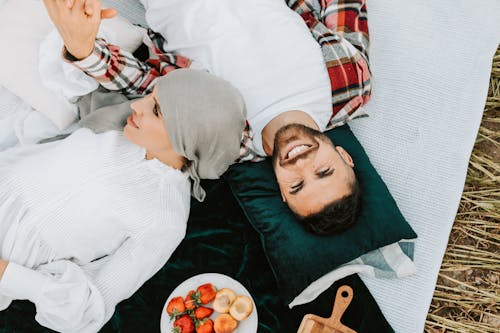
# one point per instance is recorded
(205, 118)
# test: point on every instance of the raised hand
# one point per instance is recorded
(89, 9)
(77, 28)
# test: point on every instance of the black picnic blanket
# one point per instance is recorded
(219, 239)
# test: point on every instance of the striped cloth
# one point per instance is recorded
(391, 261)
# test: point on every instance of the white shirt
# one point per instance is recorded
(261, 46)
(84, 222)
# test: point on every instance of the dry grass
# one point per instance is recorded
(467, 295)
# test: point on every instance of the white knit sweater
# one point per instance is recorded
(84, 222)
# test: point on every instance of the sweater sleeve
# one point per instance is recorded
(73, 298)
(119, 70)
(116, 69)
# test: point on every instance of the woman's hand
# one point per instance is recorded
(3, 266)
(77, 28)
(89, 9)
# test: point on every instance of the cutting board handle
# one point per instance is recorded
(312, 323)
(342, 300)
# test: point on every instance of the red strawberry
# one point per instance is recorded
(205, 326)
(192, 300)
(207, 292)
(203, 312)
(183, 324)
(175, 307)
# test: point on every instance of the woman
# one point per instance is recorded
(85, 221)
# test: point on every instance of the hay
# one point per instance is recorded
(467, 295)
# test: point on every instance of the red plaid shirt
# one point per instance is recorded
(340, 27)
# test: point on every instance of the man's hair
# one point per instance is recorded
(337, 216)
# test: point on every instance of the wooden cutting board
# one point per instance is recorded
(315, 324)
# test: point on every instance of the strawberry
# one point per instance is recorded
(192, 300)
(207, 292)
(175, 307)
(205, 326)
(184, 324)
(203, 312)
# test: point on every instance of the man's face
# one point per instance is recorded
(146, 127)
(311, 172)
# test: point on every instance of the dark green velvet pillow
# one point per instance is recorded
(298, 257)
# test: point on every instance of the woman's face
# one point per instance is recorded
(146, 127)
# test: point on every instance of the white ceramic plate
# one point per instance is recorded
(220, 281)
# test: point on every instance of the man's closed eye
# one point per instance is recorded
(296, 188)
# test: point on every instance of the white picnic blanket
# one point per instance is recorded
(431, 62)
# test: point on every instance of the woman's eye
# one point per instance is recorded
(155, 110)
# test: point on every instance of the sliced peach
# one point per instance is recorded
(223, 300)
(241, 307)
(224, 323)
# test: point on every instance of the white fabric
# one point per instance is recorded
(431, 62)
(386, 262)
(69, 81)
(261, 46)
(20, 124)
(84, 223)
(23, 25)
(131, 9)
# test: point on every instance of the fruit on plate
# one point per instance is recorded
(205, 326)
(192, 300)
(184, 324)
(241, 307)
(175, 307)
(224, 323)
(203, 312)
(207, 292)
(223, 300)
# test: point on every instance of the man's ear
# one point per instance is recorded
(282, 196)
(345, 156)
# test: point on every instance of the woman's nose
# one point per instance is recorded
(133, 106)
(136, 107)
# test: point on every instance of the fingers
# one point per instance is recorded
(79, 5)
(108, 13)
(90, 7)
(55, 9)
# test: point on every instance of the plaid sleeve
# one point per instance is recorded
(247, 150)
(118, 70)
(349, 19)
(341, 29)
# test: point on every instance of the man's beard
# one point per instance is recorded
(292, 132)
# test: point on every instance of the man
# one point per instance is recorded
(265, 50)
